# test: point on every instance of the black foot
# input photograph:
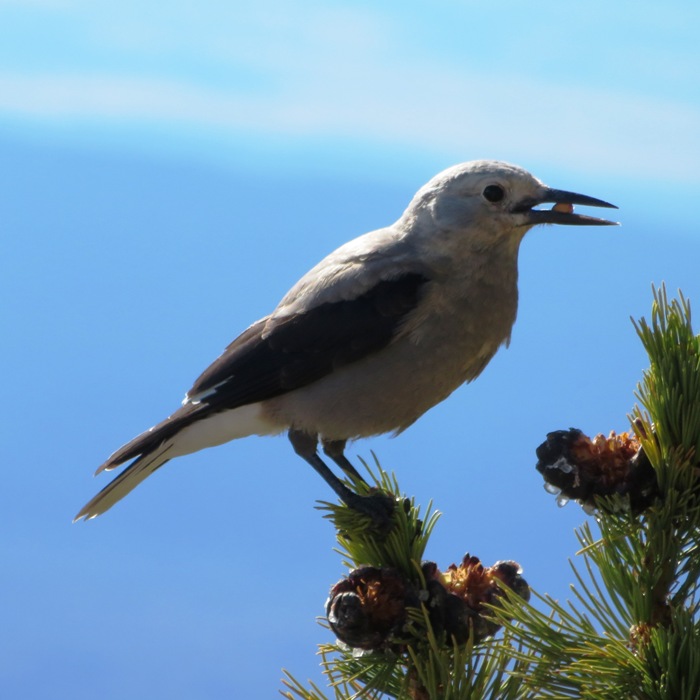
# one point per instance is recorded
(378, 506)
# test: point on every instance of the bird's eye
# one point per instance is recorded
(494, 193)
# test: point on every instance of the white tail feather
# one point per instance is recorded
(128, 480)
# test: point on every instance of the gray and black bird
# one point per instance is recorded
(378, 332)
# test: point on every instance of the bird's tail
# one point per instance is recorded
(129, 479)
(191, 428)
(152, 449)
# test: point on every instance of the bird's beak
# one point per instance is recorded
(563, 210)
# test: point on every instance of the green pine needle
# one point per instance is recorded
(632, 627)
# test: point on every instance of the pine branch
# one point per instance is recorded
(632, 627)
(406, 629)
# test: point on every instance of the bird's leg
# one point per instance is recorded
(335, 449)
(378, 506)
(304, 445)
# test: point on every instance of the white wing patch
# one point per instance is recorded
(196, 399)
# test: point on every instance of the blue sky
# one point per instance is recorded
(168, 171)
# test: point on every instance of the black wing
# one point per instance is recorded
(294, 352)
(300, 349)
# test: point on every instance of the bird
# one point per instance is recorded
(378, 332)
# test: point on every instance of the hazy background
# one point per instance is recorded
(167, 171)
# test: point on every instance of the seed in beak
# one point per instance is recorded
(563, 207)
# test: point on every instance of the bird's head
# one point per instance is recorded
(491, 198)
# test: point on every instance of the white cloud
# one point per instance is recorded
(314, 70)
(428, 110)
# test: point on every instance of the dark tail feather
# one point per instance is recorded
(152, 439)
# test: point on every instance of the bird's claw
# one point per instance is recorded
(379, 506)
